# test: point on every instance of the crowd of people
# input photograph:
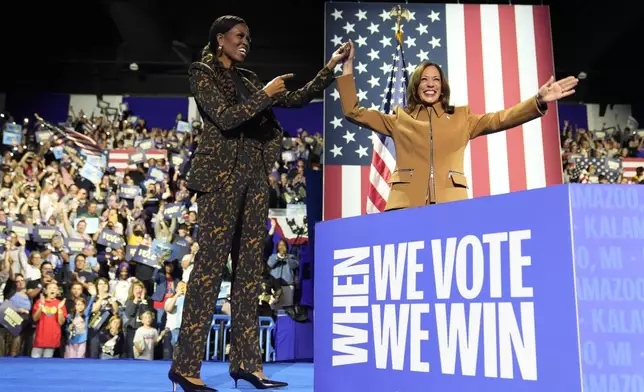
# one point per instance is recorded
(596, 157)
(97, 266)
(95, 261)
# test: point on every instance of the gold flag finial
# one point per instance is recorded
(398, 12)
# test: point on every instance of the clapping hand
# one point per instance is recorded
(552, 91)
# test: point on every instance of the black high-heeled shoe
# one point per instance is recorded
(186, 385)
(257, 382)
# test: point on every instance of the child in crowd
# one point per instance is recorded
(77, 329)
(146, 338)
(49, 314)
(112, 339)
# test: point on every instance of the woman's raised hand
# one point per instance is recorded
(347, 68)
(552, 91)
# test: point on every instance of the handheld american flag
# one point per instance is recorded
(383, 160)
(494, 56)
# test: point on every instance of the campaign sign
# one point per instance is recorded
(129, 191)
(110, 239)
(137, 157)
(10, 318)
(59, 152)
(475, 295)
(608, 235)
(180, 248)
(75, 245)
(173, 210)
(145, 256)
(157, 174)
(144, 145)
(130, 252)
(22, 230)
(44, 233)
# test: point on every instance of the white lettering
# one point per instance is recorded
(458, 334)
(495, 240)
(417, 334)
(478, 269)
(443, 268)
(510, 336)
(517, 262)
(412, 271)
(348, 345)
(385, 330)
(389, 269)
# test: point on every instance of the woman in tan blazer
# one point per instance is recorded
(430, 135)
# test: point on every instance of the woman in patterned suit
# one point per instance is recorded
(229, 171)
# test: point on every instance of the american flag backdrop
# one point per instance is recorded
(494, 56)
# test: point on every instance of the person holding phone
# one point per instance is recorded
(239, 145)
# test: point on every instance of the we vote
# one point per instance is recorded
(453, 260)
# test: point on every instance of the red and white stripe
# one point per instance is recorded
(382, 165)
(498, 56)
(630, 165)
(119, 158)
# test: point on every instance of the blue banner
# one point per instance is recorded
(476, 295)
(608, 224)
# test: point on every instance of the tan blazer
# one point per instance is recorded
(428, 138)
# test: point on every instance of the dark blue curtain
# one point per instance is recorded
(158, 112)
(576, 114)
(309, 118)
(313, 215)
(51, 107)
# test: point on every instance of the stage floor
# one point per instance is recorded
(72, 375)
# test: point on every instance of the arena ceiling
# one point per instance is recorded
(87, 47)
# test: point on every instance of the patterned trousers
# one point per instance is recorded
(231, 220)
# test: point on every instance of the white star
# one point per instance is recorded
(385, 68)
(336, 151)
(361, 41)
(422, 55)
(402, 28)
(361, 67)
(361, 15)
(349, 136)
(435, 42)
(374, 81)
(385, 15)
(337, 122)
(410, 42)
(349, 27)
(373, 54)
(338, 68)
(361, 151)
(336, 14)
(373, 28)
(374, 106)
(362, 95)
(337, 41)
(422, 29)
(335, 94)
(385, 41)
(411, 67)
(434, 16)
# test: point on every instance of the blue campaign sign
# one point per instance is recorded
(476, 295)
(608, 226)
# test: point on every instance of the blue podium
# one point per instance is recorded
(535, 291)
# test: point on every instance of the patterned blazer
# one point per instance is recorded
(227, 120)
